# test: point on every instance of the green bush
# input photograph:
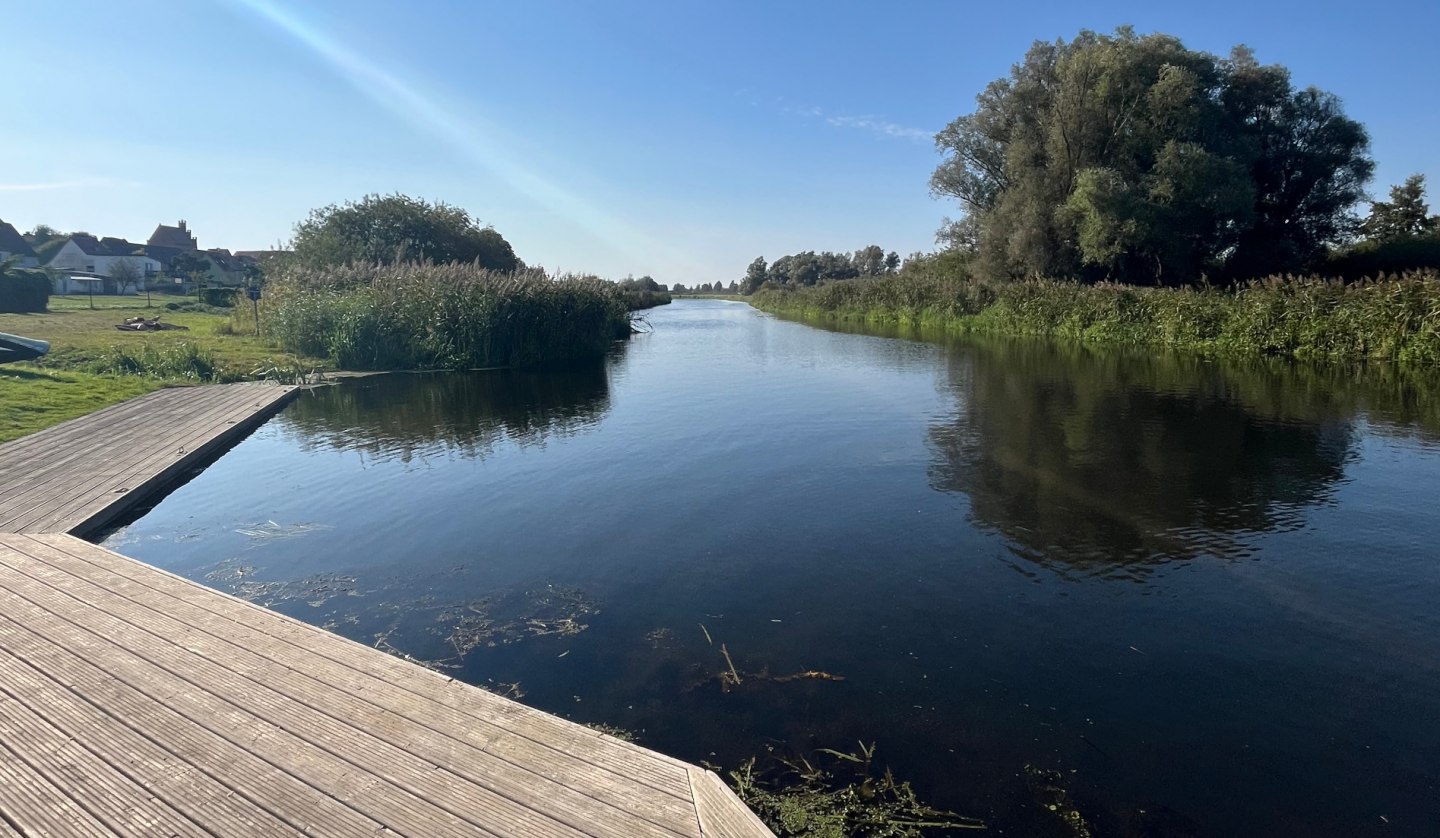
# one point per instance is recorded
(184, 361)
(24, 291)
(220, 297)
(1389, 257)
(427, 316)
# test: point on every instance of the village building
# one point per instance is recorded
(14, 246)
(170, 260)
(85, 264)
(178, 237)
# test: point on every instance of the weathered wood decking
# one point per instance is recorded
(135, 702)
(78, 476)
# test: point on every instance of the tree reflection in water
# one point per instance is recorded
(1111, 464)
(405, 416)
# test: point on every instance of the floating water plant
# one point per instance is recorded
(839, 794)
(1047, 786)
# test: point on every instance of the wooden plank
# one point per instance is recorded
(144, 727)
(71, 429)
(76, 773)
(721, 813)
(656, 770)
(143, 426)
(240, 636)
(90, 472)
(198, 447)
(98, 436)
(618, 807)
(424, 793)
(37, 806)
(87, 476)
(56, 448)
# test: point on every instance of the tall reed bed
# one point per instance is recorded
(1386, 319)
(427, 316)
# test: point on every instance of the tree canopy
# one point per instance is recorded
(1405, 215)
(1399, 235)
(811, 268)
(386, 229)
(1133, 158)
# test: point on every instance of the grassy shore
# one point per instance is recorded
(92, 365)
(1391, 319)
(363, 318)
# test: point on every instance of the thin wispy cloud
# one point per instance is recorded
(77, 183)
(873, 124)
(883, 127)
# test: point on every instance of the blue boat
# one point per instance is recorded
(15, 348)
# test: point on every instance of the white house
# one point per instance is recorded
(87, 255)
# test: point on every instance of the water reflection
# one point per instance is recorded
(405, 416)
(1111, 464)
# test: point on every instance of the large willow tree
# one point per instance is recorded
(1134, 158)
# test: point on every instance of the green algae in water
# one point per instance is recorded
(314, 590)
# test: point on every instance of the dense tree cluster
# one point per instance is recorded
(644, 283)
(1399, 235)
(1133, 158)
(1405, 215)
(386, 229)
(811, 268)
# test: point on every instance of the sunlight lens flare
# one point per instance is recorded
(479, 143)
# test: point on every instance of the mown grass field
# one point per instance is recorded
(92, 365)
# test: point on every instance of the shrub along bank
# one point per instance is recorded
(1387, 319)
(429, 316)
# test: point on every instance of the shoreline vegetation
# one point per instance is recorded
(1390, 319)
(1123, 189)
(422, 315)
(384, 283)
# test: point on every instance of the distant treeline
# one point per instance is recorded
(802, 270)
(644, 293)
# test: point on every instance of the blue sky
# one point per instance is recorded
(678, 139)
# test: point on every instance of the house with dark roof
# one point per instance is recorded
(229, 269)
(12, 244)
(89, 258)
(259, 256)
(178, 237)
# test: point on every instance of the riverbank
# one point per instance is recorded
(361, 318)
(92, 365)
(1302, 318)
(427, 316)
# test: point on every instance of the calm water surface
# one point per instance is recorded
(1208, 596)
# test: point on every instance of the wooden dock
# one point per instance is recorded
(135, 702)
(80, 475)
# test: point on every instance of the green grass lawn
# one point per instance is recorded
(32, 399)
(80, 373)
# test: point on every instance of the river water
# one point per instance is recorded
(1181, 597)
